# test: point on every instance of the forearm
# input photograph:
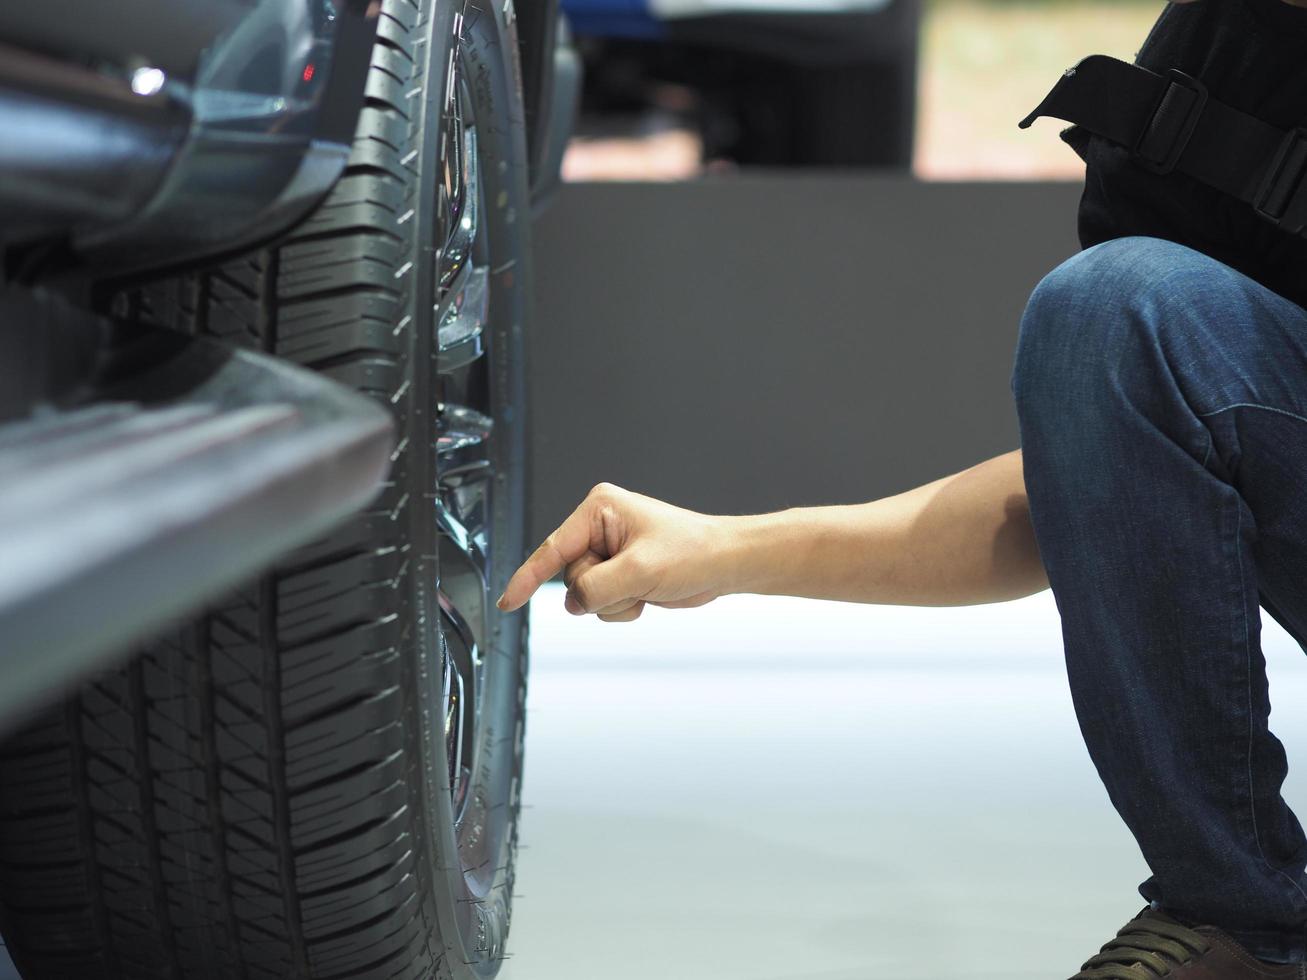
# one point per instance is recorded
(963, 539)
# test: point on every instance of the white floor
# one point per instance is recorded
(776, 789)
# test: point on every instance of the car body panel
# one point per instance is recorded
(145, 139)
(259, 118)
(167, 133)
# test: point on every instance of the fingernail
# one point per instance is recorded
(500, 601)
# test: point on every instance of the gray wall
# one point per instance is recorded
(745, 344)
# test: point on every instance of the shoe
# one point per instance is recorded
(1153, 945)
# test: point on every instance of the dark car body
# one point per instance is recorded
(163, 131)
(141, 138)
(166, 131)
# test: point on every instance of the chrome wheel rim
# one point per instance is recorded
(465, 471)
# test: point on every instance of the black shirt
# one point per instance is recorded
(1252, 55)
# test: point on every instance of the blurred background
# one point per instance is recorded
(788, 269)
(795, 242)
(934, 86)
(795, 226)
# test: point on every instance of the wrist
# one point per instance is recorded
(751, 552)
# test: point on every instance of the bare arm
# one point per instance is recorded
(962, 539)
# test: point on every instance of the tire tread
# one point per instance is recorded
(238, 801)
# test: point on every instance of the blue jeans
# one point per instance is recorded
(1162, 399)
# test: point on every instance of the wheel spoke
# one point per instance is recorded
(459, 428)
(461, 318)
(463, 178)
(455, 722)
(464, 482)
(462, 306)
(468, 538)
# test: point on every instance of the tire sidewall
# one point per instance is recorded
(473, 904)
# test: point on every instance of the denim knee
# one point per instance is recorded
(1093, 326)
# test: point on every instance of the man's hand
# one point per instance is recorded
(620, 550)
(961, 539)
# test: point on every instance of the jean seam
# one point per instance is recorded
(1264, 408)
(1248, 651)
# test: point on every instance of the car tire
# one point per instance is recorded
(320, 776)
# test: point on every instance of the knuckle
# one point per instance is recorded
(582, 592)
(604, 490)
(550, 546)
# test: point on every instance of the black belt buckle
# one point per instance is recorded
(1174, 77)
(1277, 192)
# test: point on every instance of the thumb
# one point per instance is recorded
(607, 583)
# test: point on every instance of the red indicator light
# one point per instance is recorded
(308, 72)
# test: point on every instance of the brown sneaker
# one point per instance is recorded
(1153, 945)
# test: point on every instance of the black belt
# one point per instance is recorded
(1169, 123)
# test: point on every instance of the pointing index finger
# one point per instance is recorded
(569, 542)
